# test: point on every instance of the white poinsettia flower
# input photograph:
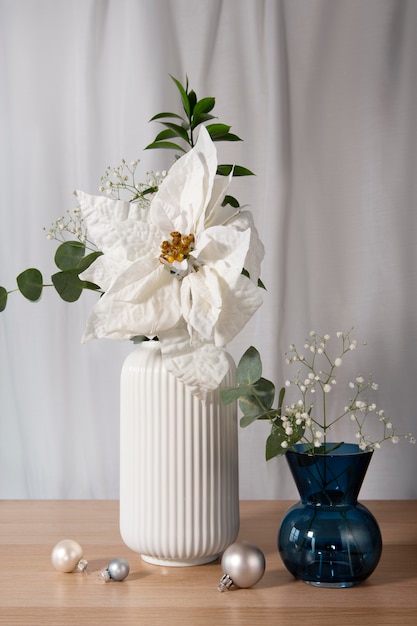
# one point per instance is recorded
(175, 270)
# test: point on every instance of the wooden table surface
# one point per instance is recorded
(33, 593)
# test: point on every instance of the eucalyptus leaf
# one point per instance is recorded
(30, 283)
(87, 260)
(249, 368)
(232, 394)
(260, 400)
(3, 298)
(68, 285)
(69, 254)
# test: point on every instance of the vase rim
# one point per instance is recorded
(343, 449)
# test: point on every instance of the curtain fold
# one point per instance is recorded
(324, 95)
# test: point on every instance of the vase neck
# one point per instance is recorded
(328, 479)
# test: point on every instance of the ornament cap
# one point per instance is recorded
(225, 583)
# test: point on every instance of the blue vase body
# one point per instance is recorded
(328, 539)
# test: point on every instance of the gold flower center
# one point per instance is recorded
(178, 248)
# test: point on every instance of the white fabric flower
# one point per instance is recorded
(175, 270)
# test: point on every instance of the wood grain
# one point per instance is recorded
(32, 593)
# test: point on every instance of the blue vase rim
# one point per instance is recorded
(344, 449)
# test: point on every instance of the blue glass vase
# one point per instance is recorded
(328, 539)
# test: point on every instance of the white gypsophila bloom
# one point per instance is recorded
(327, 388)
(338, 362)
(359, 379)
(284, 444)
(395, 439)
(175, 270)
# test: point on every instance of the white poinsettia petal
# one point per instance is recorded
(144, 300)
(241, 298)
(104, 270)
(201, 366)
(201, 301)
(243, 221)
(138, 239)
(223, 243)
(182, 198)
(215, 212)
(101, 214)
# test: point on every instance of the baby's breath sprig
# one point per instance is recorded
(120, 181)
(71, 223)
(306, 419)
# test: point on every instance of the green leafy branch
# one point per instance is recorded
(71, 259)
(256, 396)
(182, 129)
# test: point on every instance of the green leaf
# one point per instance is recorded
(227, 137)
(232, 394)
(3, 298)
(159, 116)
(192, 100)
(178, 130)
(30, 283)
(69, 254)
(260, 400)
(205, 105)
(249, 368)
(246, 420)
(165, 134)
(281, 399)
(277, 436)
(217, 130)
(232, 201)
(184, 97)
(70, 286)
(87, 260)
(238, 170)
(273, 444)
(164, 144)
(199, 119)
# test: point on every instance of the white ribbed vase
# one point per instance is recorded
(179, 491)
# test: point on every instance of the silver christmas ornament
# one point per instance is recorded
(117, 569)
(67, 556)
(243, 565)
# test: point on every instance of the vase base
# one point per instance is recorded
(179, 562)
(329, 585)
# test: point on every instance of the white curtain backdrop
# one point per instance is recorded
(324, 94)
